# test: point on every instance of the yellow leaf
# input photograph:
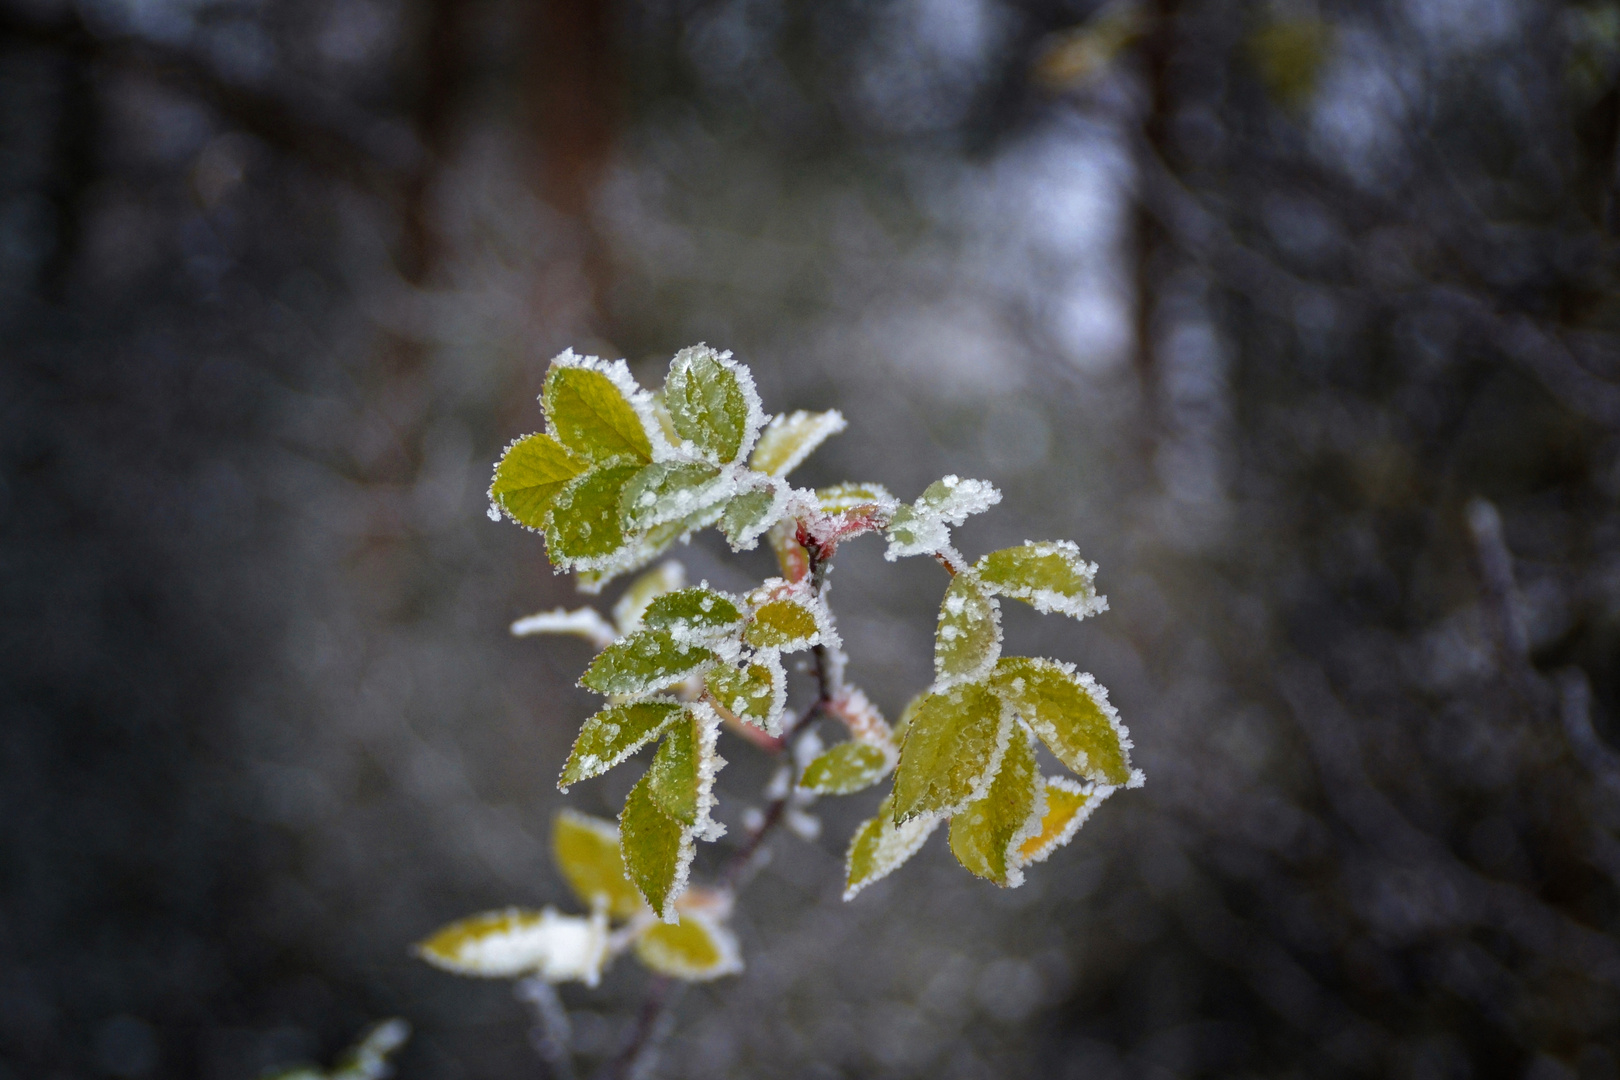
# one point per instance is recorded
(697, 948)
(513, 942)
(586, 850)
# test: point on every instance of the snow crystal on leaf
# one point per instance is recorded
(968, 638)
(698, 615)
(615, 733)
(1050, 575)
(586, 850)
(922, 527)
(1072, 716)
(657, 850)
(584, 529)
(644, 661)
(953, 747)
(755, 692)
(845, 769)
(784, 618)
(790, 439)
(751, 512)
(664, 578)
(844, 497)
(669, 491)
(987, 833)
(696, 949)
(530, 474)
(506, 944)
(712, 403)
(583, 622)
(595, 408)
(879, 846)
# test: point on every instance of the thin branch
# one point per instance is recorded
(552, 1034)
(652, 1024)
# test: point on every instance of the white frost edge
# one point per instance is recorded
(884, 500)
(582, 622)
(725, 943)
(896, 844)
(811, 429)
(985, 666)
(709, 765)
(1048, 602)
(981, 786)
(1094, 793)
(1099, 695)
(554, 946)
(781, 495)
(667, 577)
(618, 373)
(1032, 821)
(756, 417)
(772, 659)
(965, 498)
(623, 755)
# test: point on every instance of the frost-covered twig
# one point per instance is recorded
(552, 1034)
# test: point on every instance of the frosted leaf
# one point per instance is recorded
(987, 834)
(750, 513)
(1072, 716)
(644, 661)
(368, 1058)
(586, 850)
(583, 622)
(952, 750)
(592, 408)
(847, 768)
(790, 554)
(696, 949)
(506, 944)
(1050, 575)
(967, 640)
(657, 850)
(842, 498)
(529, 476)
(670, 491)
(862, 719)
(755, 692)
(903, 725)
(672, 779)
(712, 403)
(790, 439)
(1068, 805)
(664, 578)
(785, 616)
(879, 846)
(584, 526)
(614, 734)
(922, 528)
(696, 615)
(637, 553)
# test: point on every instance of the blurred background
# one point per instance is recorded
(1299, 317)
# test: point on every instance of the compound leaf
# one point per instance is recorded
(1068, 805)
(529, 476)
(968, 638)
(657, 850)
(696, 949)
(697, 614)
(879, 846)
(1050, 575)
(585, 517)
(505, 944)
(644, 661)
(749, 514)
(953, 746)
(588, 404)
(669, 491)
(613, 735)
(986, 834)
(712, 402)
(755, 692)
(1072, 716)
(663, 578)
(788, 440)
(845, 769)
(586, 850)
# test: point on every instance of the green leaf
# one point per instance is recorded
(968, 638)
(921, 528)
(1051, 575)
(637, 552)
(585, 517)
(953, 745)
(754, 692)
(1068, 805)
(696, 949)
(613, 735)
(646, 660)
(529, 476)
(790, 439)
(657, 850)
(879, 846)
(586, 850)
(749, 514)
(909, 713)
(785, 624)
(842, 497)
(696, 614)
(712, 402)
(845, 769)
(672, 779)
(669, 491)
(1072, 716)
(987, 833)
(506, 944)
(588, 404)
(664, 578)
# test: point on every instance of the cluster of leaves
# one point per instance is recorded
(622, 473)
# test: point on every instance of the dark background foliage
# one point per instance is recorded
(1298, 316)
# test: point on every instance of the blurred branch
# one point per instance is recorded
(1503, 604)
(552, 1035)
(1575, 700)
